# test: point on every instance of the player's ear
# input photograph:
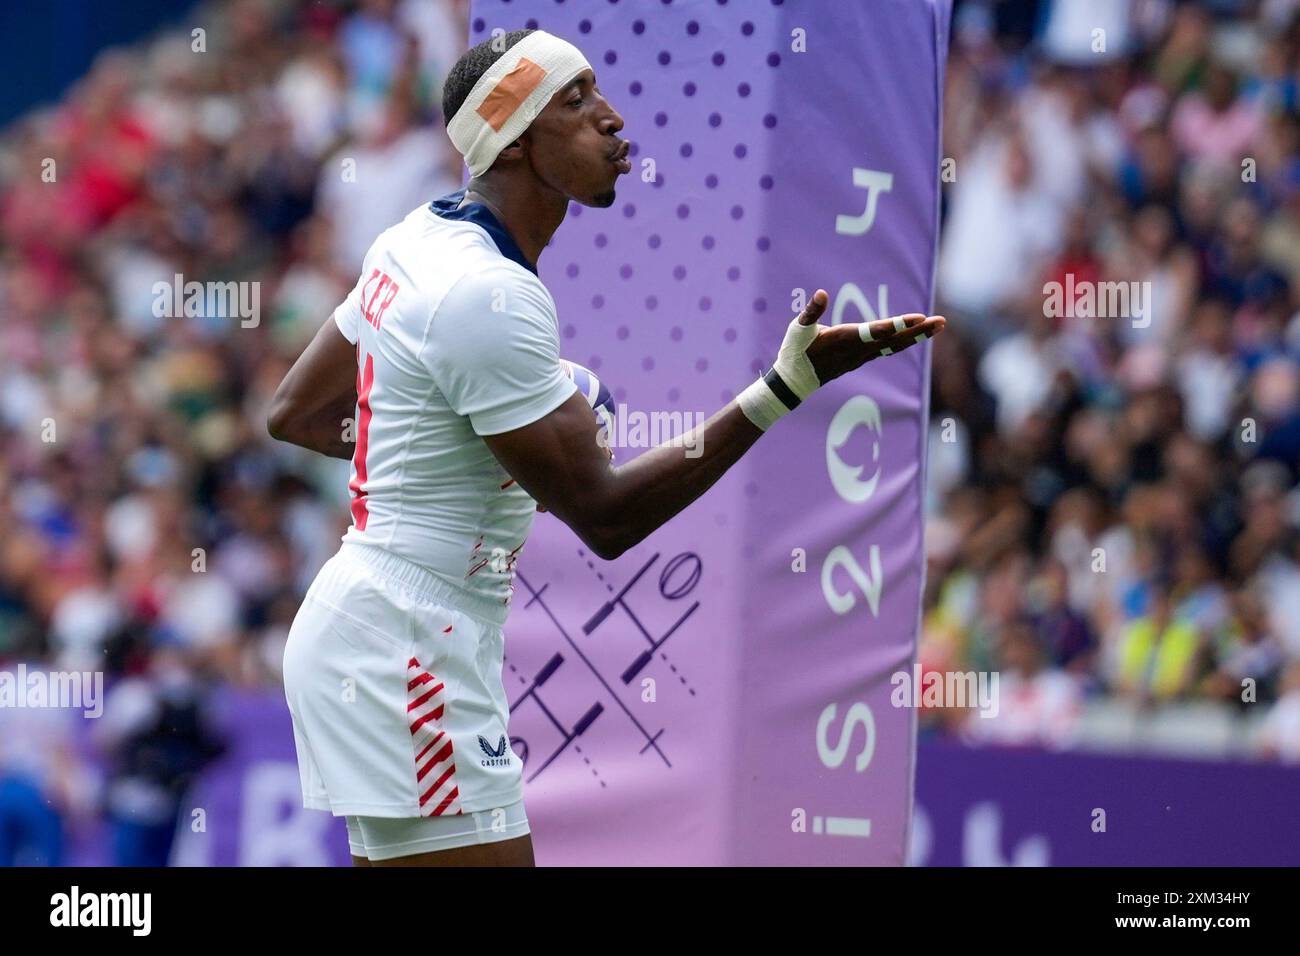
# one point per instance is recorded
(513, 152)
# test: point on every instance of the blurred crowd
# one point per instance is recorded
(153, 531)
(1114, 512)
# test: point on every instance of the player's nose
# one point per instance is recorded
(612, 122)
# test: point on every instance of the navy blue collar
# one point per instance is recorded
(481, 215)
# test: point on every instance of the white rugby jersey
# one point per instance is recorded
(456, 338)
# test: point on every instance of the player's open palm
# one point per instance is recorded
(842, 348)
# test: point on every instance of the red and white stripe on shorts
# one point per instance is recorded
(435, 763)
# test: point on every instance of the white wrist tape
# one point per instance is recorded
(790, 380)
(760, 405)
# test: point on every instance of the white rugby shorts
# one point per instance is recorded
(396, 695)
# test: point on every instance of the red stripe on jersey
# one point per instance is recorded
(435, 714)
(420, 701)
(437, 785)
(430, 744)
(365, 382)
(438, 758)
(443, 806)
(431, 740)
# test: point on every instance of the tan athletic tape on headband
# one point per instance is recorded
(509, 94)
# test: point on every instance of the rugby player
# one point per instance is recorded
(445, 357)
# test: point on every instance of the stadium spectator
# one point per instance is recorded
(1146, 462)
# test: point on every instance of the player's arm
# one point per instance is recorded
(613, 508)
(318, 395)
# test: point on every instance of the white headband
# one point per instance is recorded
(508, 97)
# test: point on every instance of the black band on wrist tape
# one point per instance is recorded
(781, 390)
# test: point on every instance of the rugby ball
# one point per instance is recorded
(597, 396)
